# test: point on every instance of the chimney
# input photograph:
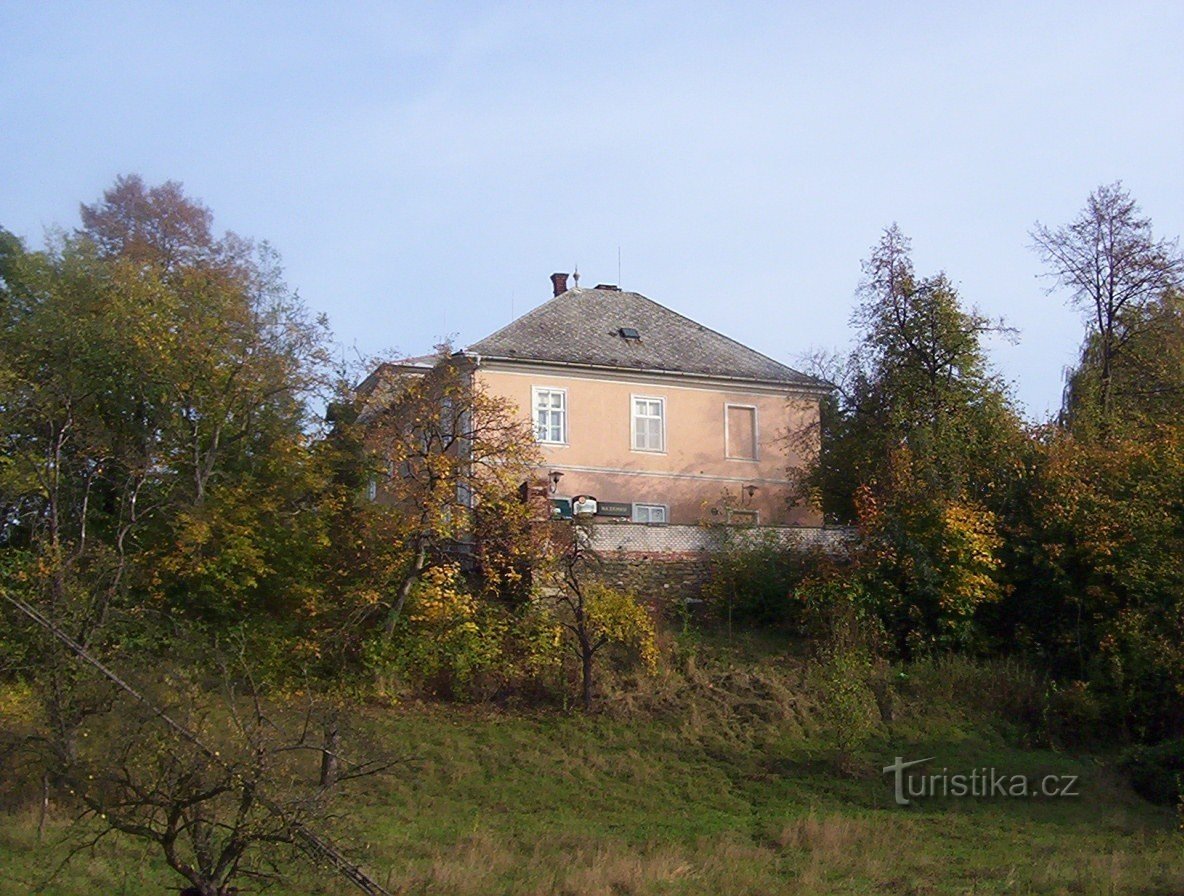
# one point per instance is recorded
(559, 283)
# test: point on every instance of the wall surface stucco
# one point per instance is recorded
(692, 476)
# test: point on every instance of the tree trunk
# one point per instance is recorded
(43, 814)
(421, 559)
(586, 657)
(329, 754)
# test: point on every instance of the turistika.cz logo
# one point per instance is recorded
(986, 783)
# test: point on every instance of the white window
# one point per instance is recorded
(550, 415)
(649, 423)
(649, 513)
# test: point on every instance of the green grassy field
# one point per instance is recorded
(716, 783)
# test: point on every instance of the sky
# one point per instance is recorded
(424, 168)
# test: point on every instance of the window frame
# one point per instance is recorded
(665, 508)
(756, 432)
(535, 392)
(633, 418)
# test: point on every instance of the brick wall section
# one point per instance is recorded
(666, 563)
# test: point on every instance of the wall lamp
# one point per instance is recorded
(750, 490)
(555, 476)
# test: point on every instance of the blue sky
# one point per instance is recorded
(423, 168)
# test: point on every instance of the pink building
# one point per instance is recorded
(657, 417)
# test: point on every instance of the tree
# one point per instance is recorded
(156, 408)
(912, 444)
(1094, 537)
(452, 459)
(593, 615)
(932, 560)
(157, 461)
(218, 781)
(80, 416)
(222, 810)
(1146, 377)
(1097, 550)
(151, 225)
(918, 376)
(1115, 271)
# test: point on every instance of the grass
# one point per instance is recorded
(712, 781)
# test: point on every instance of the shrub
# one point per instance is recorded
(849, 675)
(448, 643)
(754, 577)
(1157, 773)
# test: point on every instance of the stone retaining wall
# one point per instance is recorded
(667, 563)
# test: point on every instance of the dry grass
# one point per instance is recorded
(703, 780)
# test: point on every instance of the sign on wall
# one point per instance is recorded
(614, 508)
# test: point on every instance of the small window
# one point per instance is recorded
(649, 424)
(629, 333)
(649, 513)
(550, 415)
(740, 431)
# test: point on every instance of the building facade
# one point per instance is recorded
(658, 418)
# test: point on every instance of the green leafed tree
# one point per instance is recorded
(156, 405)
(913, 442)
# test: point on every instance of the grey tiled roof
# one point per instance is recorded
(582, 326)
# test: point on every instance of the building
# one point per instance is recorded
(658, 418)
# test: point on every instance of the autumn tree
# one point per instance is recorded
(163, 486)
(1093, 539)
(593, 616)
(1146, 377)
(917, 377)
(453, 460)
(1116, 273)
(158, 226)
(80, 417)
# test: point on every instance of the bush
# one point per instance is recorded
(755, 575)
(448, 643)
(1157, 773)
(849, 674)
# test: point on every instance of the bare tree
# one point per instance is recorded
(226, 783)
(1114, 268)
